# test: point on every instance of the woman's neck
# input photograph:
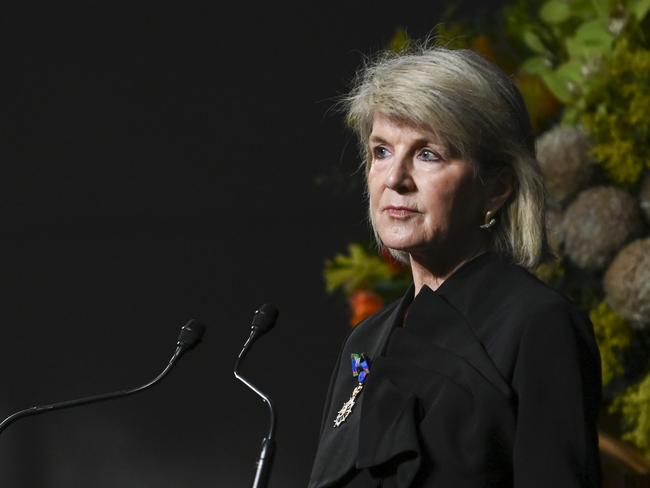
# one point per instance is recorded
(433, 271)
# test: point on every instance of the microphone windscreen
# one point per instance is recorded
(191, 334)
(264, 318)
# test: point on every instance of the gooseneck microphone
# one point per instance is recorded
(189, 336)
(263, 321)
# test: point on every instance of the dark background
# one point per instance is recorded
(160, 164)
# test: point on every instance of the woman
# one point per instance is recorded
(481, 375)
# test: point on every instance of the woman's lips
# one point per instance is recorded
(399, 212)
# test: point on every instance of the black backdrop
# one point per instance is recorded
(161, 163)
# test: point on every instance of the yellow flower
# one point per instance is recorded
(613, 335)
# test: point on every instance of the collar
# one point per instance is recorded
(445, 316)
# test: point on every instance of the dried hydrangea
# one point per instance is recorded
(563, 154)
(644, 196)
(627, 283)
(554, 229)
(597, 223)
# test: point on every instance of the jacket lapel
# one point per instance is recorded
(434, 318)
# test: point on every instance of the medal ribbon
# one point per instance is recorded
(360, 368)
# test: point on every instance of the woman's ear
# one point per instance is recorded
(501, 186)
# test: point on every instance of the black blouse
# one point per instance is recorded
(492, 380)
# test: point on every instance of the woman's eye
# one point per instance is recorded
(380, 152)
(429, 155)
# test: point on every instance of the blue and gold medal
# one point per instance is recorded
(360, 371)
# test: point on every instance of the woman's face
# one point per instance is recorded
(422, 200)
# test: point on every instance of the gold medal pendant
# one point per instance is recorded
(346, 409)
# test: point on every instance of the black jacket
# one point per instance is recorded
(494, 381)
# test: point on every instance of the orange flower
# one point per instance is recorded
(363, 304)
(489, 49)
(483, 45)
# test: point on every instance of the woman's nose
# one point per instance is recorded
(399, 176)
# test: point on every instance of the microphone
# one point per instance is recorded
(263, 320)
(189, 336)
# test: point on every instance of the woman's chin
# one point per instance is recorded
(399, 246)
(415, 249)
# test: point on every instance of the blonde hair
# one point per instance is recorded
(476, 110)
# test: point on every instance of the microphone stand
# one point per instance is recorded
(190, 335)
(265, 460)
(89, 399)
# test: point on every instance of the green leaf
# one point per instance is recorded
(554, 12)
(594, 36)
(570, 72)
(355, 270)
(591, 40)
(536, 65)
(533, 42)
(583, 9)
(400, 40)
(638, 8)
(575, 49)
(570, 75)
(558, 87)
(602, 8)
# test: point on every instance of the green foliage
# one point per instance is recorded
(613, 335)
(632, 404)
(593, 57)
(521, 26)
(555, 12)
(616, 112)
(400, 40)
(551, 273)
(356, 270)
(452, 35)
(638, 8)
(568, 40)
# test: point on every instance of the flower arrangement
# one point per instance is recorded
(368, 280)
